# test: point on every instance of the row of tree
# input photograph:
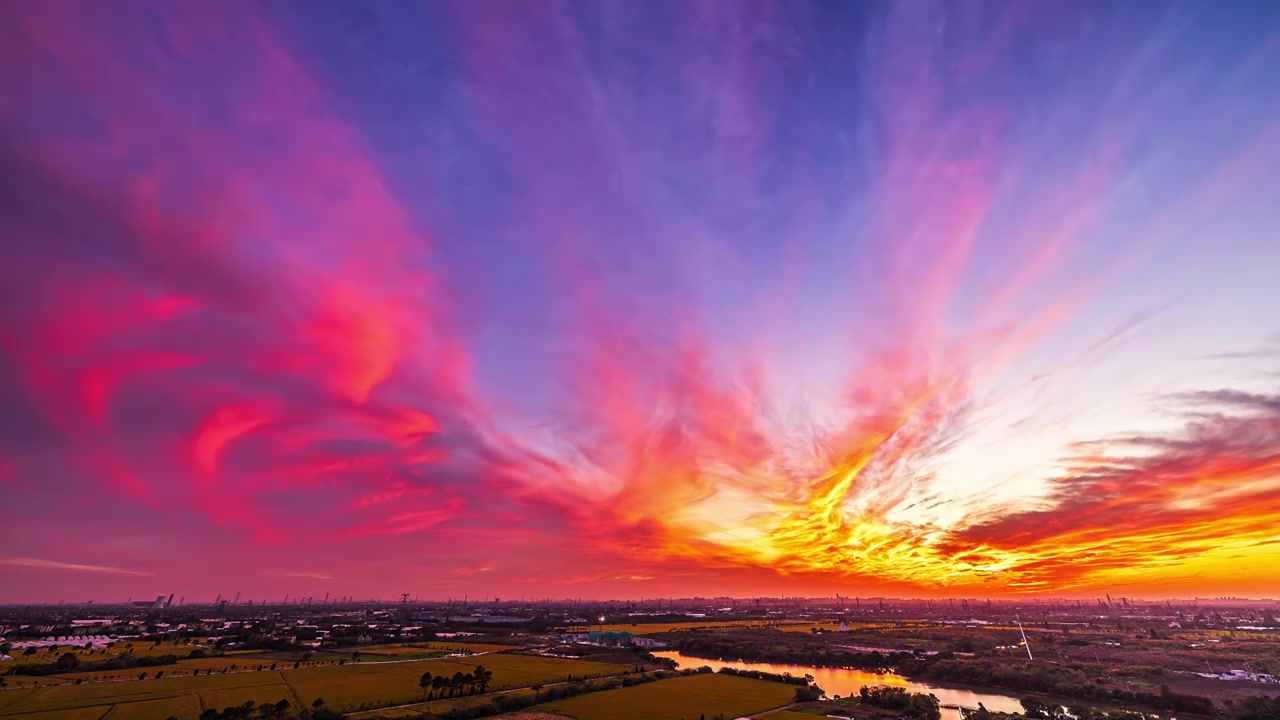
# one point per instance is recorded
(281, 710)
(473, 682)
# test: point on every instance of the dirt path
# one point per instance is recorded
(287, 684)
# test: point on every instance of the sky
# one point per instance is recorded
(620, 300)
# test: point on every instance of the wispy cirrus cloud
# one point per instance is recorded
(72, 567)
(300, 574)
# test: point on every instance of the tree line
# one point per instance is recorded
(475, 681)
(282, 710)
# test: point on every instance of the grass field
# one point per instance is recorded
(789, 715)
(181, 706)
(435, 707)
(655, 628)
(683, 697)
(181, 668)
(77, 714)
(373, 653)
(346, 687)
(140, 649)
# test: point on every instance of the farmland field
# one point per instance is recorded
(373, 653)
(346, 687)
(435, 707)
(683, 697)
(657, 628)
(180, 706)
(789, 715)
(76, 714)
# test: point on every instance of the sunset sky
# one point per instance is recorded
(630, 299)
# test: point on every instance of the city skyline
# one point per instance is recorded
(916, 300)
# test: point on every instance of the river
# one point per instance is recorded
(845, 682)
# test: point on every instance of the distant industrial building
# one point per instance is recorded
(610, 637)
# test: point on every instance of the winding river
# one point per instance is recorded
(845, 682)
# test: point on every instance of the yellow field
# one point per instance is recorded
(77, 714)
(435, 707)
(181, 668)
(181, 706)
(138, 649)
(682, 697)
(344, 687)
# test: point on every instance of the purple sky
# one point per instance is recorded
(632, 299)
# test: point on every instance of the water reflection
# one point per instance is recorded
(844, 682)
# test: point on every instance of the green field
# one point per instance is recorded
(683, 697)
(346, 687)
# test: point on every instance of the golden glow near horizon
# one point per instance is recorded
(1157, 520)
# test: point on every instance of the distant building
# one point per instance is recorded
(619, 639)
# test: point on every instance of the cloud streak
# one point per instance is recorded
(73, 567)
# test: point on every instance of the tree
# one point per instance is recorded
(536, 689)
(1034, 708)
(142, 676)
(68, 661)
(483, 676)
(424, 682)
(355, 656)
(455, 684)
(438, 683)
(29, 652)
(808, 693)
(317, 703)
(159, 674)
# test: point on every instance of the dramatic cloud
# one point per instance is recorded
(658, 298)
